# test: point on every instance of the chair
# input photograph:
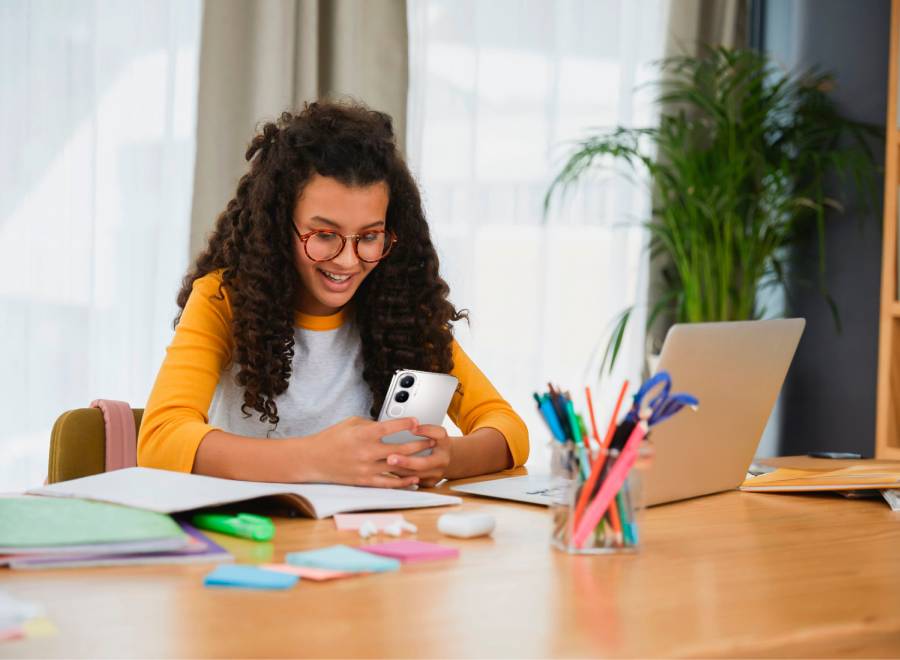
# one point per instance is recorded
(78, 444)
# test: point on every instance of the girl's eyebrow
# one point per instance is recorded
(332, 223)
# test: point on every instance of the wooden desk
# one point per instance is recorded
(735, 574)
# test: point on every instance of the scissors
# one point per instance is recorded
(663, 405)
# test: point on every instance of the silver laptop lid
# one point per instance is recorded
(736, 370)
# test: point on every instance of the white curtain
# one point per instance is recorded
(498, 90)
(97, 124)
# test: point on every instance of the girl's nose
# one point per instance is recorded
(347, 257)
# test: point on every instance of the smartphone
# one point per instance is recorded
(834, 454)
(420, 394)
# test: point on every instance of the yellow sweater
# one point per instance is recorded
(177, 415)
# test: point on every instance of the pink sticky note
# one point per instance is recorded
(349, 522)
(308, 573)
(412, 551)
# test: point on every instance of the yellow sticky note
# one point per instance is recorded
(39, 627)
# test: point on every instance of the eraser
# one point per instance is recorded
(466, 525)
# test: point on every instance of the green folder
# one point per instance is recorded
(48, 524)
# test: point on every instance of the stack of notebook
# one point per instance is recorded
(867, 475)
(41, 532)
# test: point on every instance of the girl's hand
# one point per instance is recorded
(351, 452)
(429, 469)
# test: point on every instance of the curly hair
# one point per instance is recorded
(401, 308)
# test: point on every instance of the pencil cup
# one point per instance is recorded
(597, 498)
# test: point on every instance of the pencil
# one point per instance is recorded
(611, 429)
(590, 405)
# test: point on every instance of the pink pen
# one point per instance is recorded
(611, 485)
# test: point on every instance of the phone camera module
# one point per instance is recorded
(401, 396)
(407, 381)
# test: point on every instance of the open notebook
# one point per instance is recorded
(169, 492)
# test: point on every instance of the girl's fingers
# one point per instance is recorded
(401, 472)
(382, 481)
(378, 430)
(415, 463)
(386, 449)
(430, 431)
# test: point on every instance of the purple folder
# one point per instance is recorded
(210, 552)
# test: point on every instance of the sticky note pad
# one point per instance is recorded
(353, 521)
(307, 572)
(342, 558)
(412, 551)
(248, 577)
(39, 627)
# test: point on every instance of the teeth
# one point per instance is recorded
(335, 278)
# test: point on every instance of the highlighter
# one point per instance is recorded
(244, 525)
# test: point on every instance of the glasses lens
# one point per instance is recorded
(323, 245)
(373, 245)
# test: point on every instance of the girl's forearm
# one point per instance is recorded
(483, 451)
(233, 456)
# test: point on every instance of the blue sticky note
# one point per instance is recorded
(343, 558)
(248, 577)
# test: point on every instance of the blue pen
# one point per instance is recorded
(549, 416)
(559, 409)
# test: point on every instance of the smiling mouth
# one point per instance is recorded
(338, 278)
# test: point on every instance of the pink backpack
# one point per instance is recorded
(121, 436)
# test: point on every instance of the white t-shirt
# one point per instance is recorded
(326, 387)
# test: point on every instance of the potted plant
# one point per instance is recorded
(737, 166)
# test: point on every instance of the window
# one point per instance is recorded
(498, 90)
(97, 122)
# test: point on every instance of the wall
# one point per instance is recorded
(828, 402)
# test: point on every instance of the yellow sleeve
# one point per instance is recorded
(176, 417)
(477, 405)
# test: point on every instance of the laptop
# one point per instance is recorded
(736, 370)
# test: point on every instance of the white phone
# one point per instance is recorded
(420, 394)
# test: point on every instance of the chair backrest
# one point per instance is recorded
(78, 444)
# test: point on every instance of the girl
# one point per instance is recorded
(319, 281)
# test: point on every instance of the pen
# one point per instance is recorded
(549, 415)
(585, 436)
(559, 407)
(583, 459)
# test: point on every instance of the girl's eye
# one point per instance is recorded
(370, 238)
(323, 236)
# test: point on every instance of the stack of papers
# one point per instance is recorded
(38, 532)
(866, 476)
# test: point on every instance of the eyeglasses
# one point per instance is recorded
(324, 245)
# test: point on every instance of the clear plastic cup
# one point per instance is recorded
(598, 499)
